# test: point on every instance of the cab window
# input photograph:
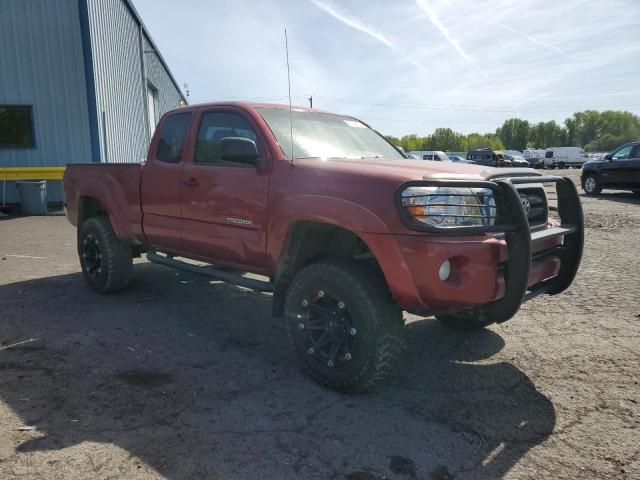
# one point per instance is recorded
(216, 126)
(172, 137)
(622, 153)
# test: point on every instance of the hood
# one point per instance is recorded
(407, 169)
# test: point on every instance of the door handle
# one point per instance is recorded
(191, 182)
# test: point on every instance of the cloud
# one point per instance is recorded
(533, 39)
(353, 23)
(445, 33)
(357, 24)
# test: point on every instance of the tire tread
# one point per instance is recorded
(370, 287)
(118, 256)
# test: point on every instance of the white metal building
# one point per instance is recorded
(80, 81)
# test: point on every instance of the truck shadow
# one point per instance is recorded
(195, 380)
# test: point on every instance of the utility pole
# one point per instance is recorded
(186, 89)
(310, 101)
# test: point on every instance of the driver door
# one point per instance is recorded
(224, 204)
(617, 171)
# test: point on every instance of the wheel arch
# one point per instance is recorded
(307, 242)
(88, 207)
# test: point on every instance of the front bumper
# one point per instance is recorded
(495, 271)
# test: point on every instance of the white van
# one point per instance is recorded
(435, 155)
(564, 157)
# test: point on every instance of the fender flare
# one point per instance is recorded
(113, 201)
(341, 213)
(284, 248)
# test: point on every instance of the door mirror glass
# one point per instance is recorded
(239, 149)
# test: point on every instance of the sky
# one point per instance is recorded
(408, 66)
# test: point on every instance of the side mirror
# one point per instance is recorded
(608, 156)
(239, 149)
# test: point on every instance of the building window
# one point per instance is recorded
(16, 126)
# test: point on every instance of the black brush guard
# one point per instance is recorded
(519, 237)
(519, 240)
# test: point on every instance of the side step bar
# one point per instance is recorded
(211, 271)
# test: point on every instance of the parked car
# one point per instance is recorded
(489, 158)
(535, 157)
(618, 170)
(458, 159)
(517, 161)
(345, 231)
(513, 152)
(564, 157)
(434, 155)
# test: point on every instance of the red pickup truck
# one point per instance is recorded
(347, 232)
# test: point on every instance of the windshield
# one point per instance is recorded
(326, 135)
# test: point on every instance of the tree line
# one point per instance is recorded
(594, 131)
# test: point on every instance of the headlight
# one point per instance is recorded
(450, 206)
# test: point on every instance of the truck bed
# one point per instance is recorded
(116, 190)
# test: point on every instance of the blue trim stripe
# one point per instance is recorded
(90, 80)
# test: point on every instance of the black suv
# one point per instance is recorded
(619, 170)
(487, 157)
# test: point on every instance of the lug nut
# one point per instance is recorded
(311, 351)
(352, 331)
(347, 356)
(321, 293)
(305, 303)
(330, 363)
(301, 326)
(341, 304)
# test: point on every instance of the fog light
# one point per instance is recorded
(445, 270)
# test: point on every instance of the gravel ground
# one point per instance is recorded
(181, 377)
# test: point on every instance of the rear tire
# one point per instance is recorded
(343, 325)
(106, 262)
(464, 321)
(591, 185)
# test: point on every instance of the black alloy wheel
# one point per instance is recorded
(92, 257)
(343, 324)
(106, 261)
(328, 332)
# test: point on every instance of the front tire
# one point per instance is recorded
(106, 262)
(591, 185)
(343, 325)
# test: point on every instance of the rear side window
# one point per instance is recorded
(216, 126)
(172, 137)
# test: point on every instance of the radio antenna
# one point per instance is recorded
(286, 49)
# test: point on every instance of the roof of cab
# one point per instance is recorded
(253, 106)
